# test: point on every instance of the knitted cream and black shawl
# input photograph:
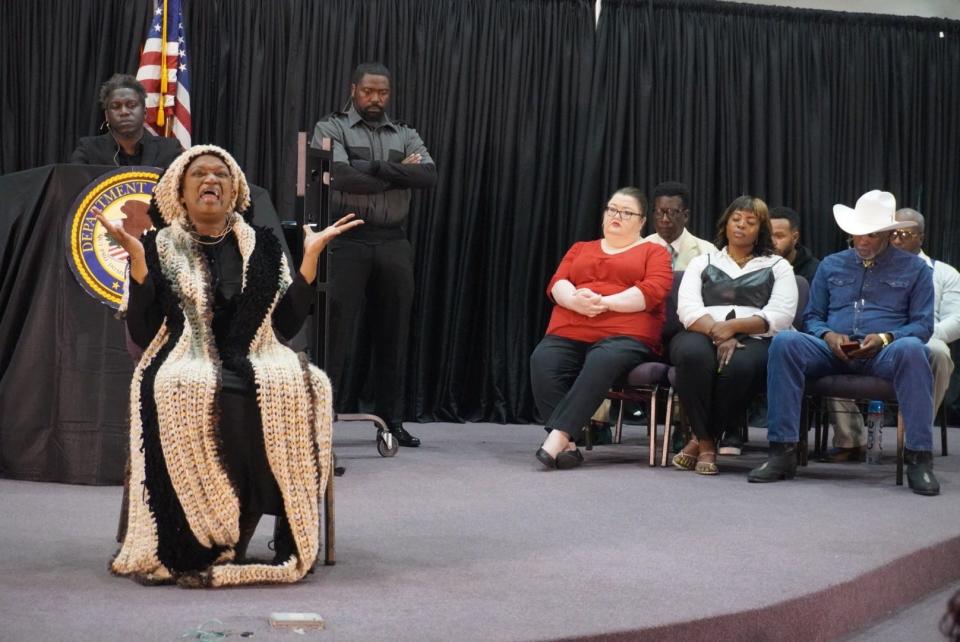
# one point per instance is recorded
(183, 510)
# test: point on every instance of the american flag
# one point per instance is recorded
(165, 77)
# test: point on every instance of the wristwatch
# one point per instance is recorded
(886, 337)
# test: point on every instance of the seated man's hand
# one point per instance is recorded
(869, 346)
(834, 341)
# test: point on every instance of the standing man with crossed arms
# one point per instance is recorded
(377, 161)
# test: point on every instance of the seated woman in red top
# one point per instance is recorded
(609, 312)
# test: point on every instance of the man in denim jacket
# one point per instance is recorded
(874, 295)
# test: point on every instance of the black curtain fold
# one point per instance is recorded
(802, 108)
(53, 58)
(534, 114)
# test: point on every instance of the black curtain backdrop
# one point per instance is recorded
(802, 108)
(533, 113)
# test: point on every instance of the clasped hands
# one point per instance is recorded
(587, 302)
(724, 337)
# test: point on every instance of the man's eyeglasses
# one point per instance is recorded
(904, 234)
(623, 215)
(671, 214)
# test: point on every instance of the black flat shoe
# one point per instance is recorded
(568, 459)
(546, 458)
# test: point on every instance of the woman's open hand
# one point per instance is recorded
(127, 241)
(130, 243)
(314, 242)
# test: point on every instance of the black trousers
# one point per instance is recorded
(714, 401)
(245, 456)
(570, 378)
(375, 278)
(244, 453)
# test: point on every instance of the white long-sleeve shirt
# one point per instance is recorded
(778, 312)
(946, 300)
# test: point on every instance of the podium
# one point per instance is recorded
(64, 367)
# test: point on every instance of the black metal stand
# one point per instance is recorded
(317, 210)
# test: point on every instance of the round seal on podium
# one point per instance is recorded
(97, 261)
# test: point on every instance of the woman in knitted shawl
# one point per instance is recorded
(226, 422)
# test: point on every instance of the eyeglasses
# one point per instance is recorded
(904, 234)
(674, 213)
(623, 215)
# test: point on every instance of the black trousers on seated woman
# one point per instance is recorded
(714, 401)
(570, 378)
(245, 458)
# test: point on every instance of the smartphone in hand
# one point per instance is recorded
(850, 346)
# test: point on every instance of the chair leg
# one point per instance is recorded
(824, 422)
(667, 428)
(817, 434)
(122, 523)
(943, 430)
(652, 426)
(619, 429)
(804, 428)
(900, 431)
(329, 522)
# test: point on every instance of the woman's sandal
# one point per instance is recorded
(684, 460)
(707, 467)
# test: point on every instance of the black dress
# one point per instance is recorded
(240, 429)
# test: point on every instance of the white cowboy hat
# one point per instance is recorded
(875, 212)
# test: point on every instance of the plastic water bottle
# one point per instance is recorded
(874, 432)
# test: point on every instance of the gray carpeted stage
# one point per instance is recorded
(469, 538)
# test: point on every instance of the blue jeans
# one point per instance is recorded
(795, 357)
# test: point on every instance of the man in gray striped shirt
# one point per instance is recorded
(377, 161)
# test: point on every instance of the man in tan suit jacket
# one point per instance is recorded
(669, 213)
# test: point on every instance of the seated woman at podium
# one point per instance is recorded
(226, 422)
(127, 141)
(607, 318)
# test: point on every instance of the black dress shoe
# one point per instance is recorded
(546, 458)
(839, 455)
(781, 464)
(920, 475)
(568, 459)
(565, 460)
(403, 437)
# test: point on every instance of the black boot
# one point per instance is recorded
(402, 436)
(920, 475)
(781, 464)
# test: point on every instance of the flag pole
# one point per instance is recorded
(162, 106)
